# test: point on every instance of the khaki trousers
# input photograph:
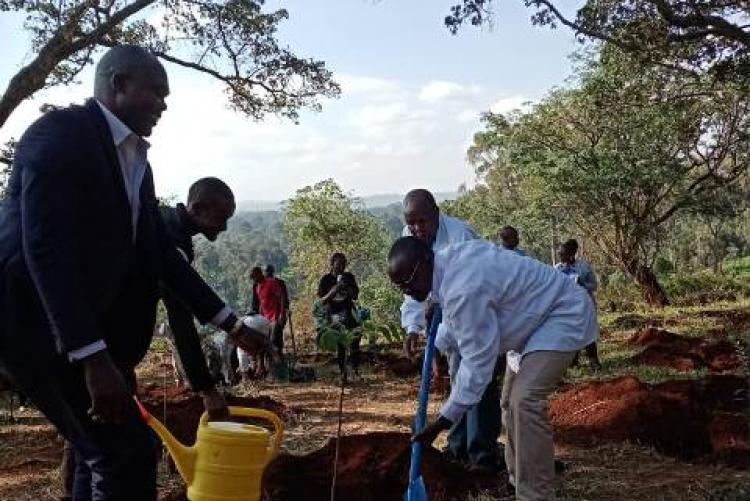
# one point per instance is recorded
(529, 452)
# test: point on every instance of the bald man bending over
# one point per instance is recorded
(82, 252)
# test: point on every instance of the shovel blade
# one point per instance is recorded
(416, 491)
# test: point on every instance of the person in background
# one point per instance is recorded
(270, 272)
(271, 307)
(508, 237)
(83, 249)
(474, 437)
(337, 292)
(494, 301)
(580, 272)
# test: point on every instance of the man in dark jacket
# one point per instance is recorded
(83, 249)
(210, 204)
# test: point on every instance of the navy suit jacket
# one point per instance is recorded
(70, 272)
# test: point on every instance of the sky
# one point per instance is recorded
(412, 94)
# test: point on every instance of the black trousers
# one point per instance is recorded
(113, 462)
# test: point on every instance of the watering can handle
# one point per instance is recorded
(278, 425)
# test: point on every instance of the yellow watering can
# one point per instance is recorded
(227, 461)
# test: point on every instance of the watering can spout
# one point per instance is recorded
(184, 456)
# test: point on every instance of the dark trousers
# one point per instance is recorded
(474, 437)
(113, 462)
(353, 354)
(277, 336)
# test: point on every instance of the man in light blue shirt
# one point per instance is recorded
(581, 273)
(508, 237)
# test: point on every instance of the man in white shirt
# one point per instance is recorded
(495, 301)
(474, 437)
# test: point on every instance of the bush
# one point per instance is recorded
(702, 287)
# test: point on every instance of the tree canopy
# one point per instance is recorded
(709, 36)
(233, 41)
(616, 157)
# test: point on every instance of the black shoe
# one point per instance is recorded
(453, 457)
(488, 467)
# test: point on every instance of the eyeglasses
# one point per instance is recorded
(404, 284)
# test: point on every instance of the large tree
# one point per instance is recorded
(233, 41)
(320, 220)
(621, 153)
(697, 36)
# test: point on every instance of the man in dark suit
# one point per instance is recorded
(82, 252)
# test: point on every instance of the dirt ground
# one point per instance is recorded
(683, 439)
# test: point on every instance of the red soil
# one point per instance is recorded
(666, 349)
(184, 409)
(688, 419)
(374, 466)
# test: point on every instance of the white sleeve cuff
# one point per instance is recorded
(220, 317)
(88, 350)
(416, 329)
(453, 411)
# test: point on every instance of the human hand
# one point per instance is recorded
(215, 404)
(430, 432)
(106, 387)
(410, 345)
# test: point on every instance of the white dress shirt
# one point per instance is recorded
(495, 301)
(132, 152)
(450, 231)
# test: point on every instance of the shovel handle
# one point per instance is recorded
(424, 394)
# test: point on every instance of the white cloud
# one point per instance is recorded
(507, 104)
(440, 90)
(369, 87)
(467, 116)
(374, 115)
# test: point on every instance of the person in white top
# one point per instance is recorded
(474, 437)
(495, 301)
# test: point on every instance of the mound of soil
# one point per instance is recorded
(184, 409)
(372, 467)
(686, 419)
(666, 349)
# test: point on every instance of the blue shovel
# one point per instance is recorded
(416, 490)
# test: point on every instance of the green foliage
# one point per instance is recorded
(252, 239)
(233, 41)
(613, 158)
(704, 287)
(691, 38)
(383, 300)
(320, 220)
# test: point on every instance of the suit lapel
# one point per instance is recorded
(108, 144)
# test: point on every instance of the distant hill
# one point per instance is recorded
(370, 202)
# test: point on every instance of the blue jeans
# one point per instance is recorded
(474, 437)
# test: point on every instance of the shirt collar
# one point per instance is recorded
(120, 131)
(438, 271)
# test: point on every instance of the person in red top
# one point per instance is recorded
(271, 306)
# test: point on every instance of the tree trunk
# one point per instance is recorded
(653, 293)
